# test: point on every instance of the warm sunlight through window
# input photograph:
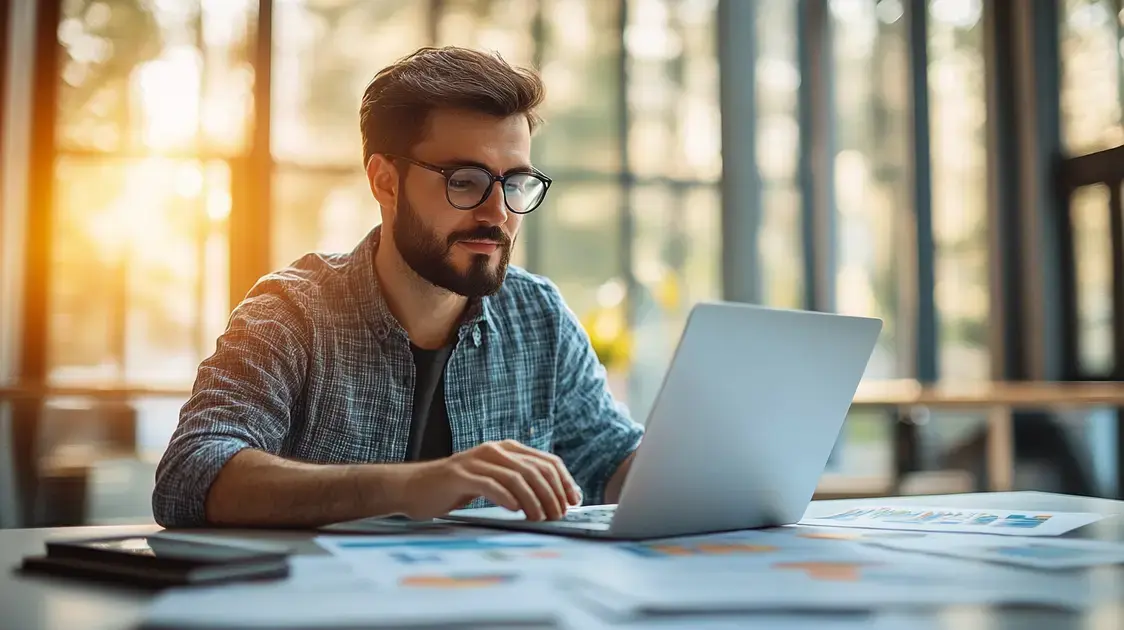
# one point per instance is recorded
(167, 91)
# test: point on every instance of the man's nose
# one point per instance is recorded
(493, 211)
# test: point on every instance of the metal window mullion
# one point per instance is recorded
(1116, 221)
(532, 231)
(1039, 135)
(816, 170)
(1116, 208)
(926, 352)
(625, 179)
(433, 21)
(741, 201)
(1118, 12)
(1006, 318)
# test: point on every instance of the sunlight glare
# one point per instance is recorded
(168, 90)
(218, 204)
(190, 181)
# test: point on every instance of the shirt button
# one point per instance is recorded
(531, 432)
(475, 336)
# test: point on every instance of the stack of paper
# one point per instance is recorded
(826, 586)
(845, 570)
(325, 609)
(324, 593)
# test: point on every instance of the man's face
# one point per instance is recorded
(463, 251)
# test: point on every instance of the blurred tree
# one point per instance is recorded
(103, 43)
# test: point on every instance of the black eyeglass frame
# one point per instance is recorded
(447, 173)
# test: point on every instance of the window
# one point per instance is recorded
(324, 55)
(778, 149)
(580, 51)
(872, 173)
(674, 154)
(1092, 52)
(958, 112)
(665, 118)
(154, 99)
(1092, 233)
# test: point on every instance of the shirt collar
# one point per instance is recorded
(365, 286)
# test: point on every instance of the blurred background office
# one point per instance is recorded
(951, 166)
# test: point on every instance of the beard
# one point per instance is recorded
(430, 256)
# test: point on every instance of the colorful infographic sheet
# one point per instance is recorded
(985, 521)
(461, 562)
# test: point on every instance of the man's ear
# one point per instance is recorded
(382, 175)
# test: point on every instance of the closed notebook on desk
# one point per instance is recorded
(159, 560)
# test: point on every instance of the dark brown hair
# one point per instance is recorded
(397, 103)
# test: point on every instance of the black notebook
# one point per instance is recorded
(159, 560)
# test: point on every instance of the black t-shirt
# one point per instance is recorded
(430, 436)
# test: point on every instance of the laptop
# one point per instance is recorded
(740, 431)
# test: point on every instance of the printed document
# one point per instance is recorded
(978, 521)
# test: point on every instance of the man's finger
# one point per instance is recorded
(492, 490)
(515, 483)
(552, 477)
(573, 491)
(528, 467)
(539, 475)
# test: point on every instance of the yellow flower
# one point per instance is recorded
(608, 332)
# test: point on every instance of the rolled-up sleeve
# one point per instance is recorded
(593, 432)
(242, 398)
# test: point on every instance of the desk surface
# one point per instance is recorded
(39, 603)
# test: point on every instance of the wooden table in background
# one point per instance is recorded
(998, 400)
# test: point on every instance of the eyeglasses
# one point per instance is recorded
(466, 187)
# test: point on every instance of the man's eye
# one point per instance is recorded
(460, 184)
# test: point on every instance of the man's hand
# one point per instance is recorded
(507, 473)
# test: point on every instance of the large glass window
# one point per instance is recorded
(665, 116)
(579, 51)
(155, 101)
(1092, 53)
(576, 233)
(324, 55)
(674, 155)
(139, 248)
(872, 172)
(778, 154)
(958, 141)
(1092, 233)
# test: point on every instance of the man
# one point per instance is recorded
(418, 373)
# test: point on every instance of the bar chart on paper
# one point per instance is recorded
(698, 549)
(462, 562)
(929, 519)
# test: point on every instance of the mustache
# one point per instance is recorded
(482, 233)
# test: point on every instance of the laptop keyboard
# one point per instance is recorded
(602, 515)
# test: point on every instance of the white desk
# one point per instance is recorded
(44, 603)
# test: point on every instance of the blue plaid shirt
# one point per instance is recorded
(314, 367)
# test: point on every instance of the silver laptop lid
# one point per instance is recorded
(746, 419)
